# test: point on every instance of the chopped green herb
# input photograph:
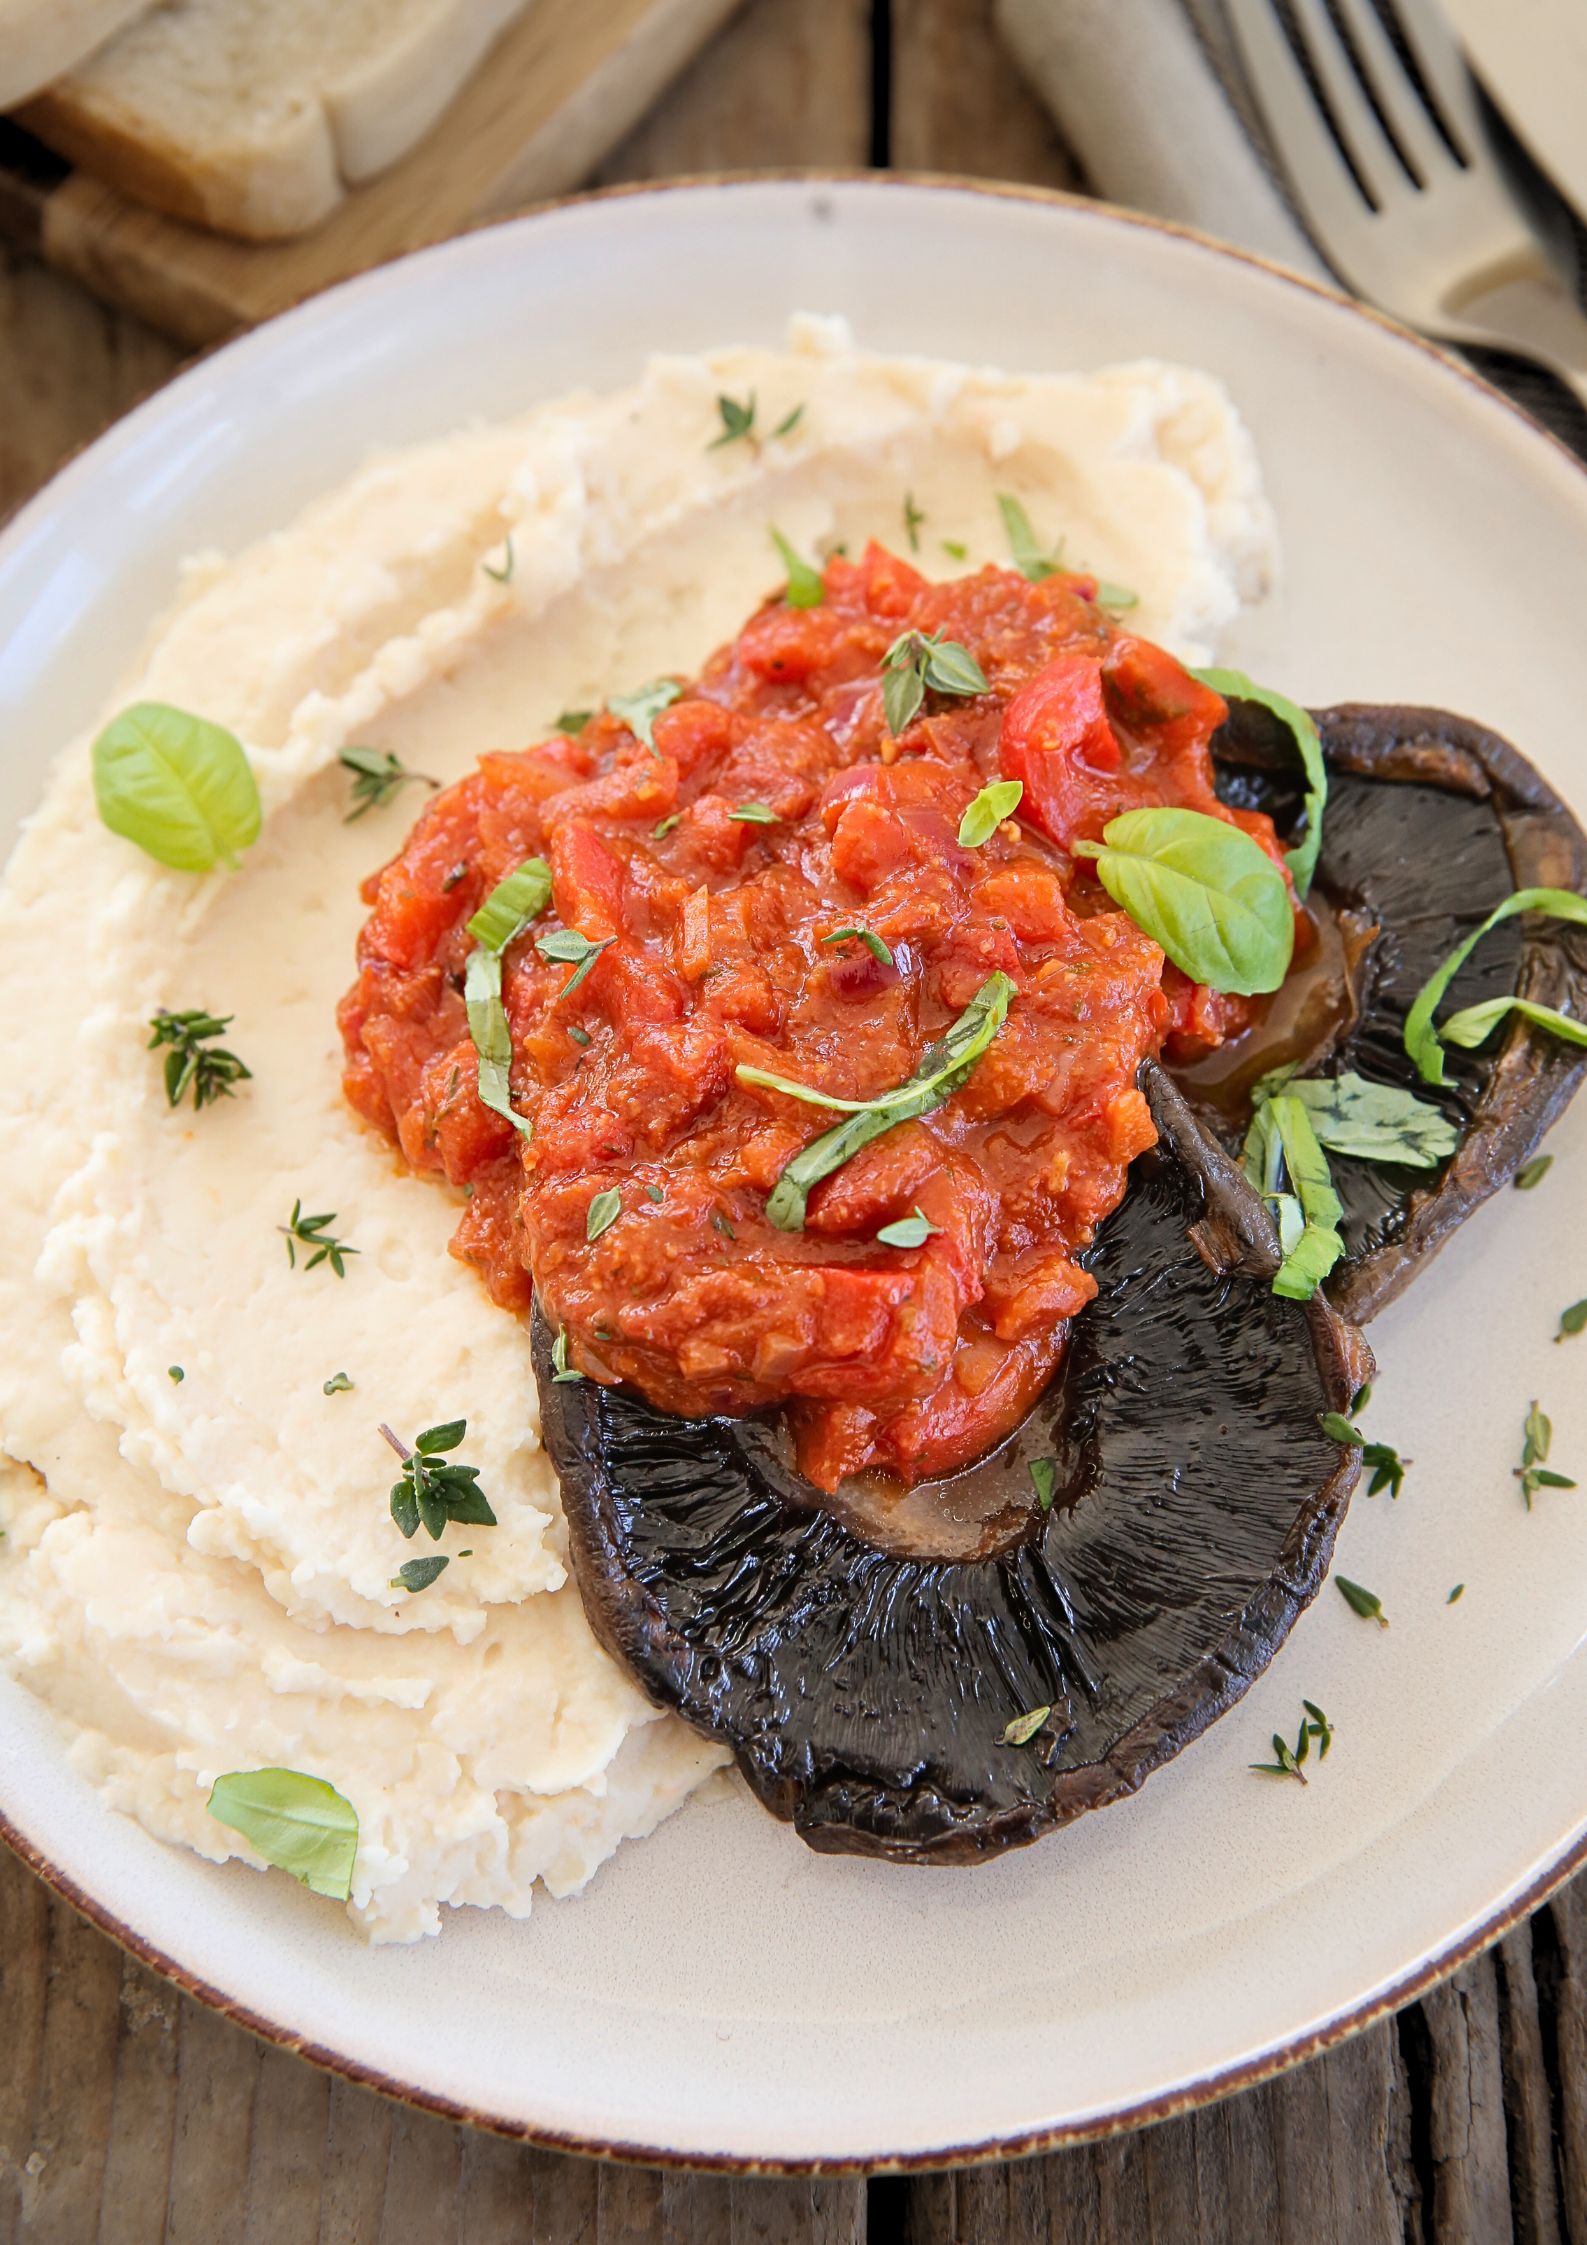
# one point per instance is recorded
(919, 661)
(873, 943)
(309, 1232)
(790, 421)
(512, 904)
(337, 1384)
(418, 1574)
(579, 1036)
(955, 548)
(193, 1062)
(1366, 1603)
(1537, 1438)
(1319, 1727)
(378, 775)
(1117, 597)
(175, 1374)
(664, 827)
(503, 575)
(1457, 1592)
(561, 1370)
(300, 1824)
(944, 1067)
(1367, 1121)
(720, 1222)
(640, 709)
(907, 1231)
(1287, 1759)
(1387, 1466)
(433, 1489)
(602, 1213)
(177, 786)
(1533, 1172)
(913, 518)
(572, 720)
(738, 421)
(1044, 1480)
(1024, 1727)
(568, 948)
(1475, 1024)
(996, 802)
(491, 1035)
(1204, 890)
(1029, 559)
(1290, 1170)
(755, 814)
(654, 1192)
(1572, 1321)
(1422, 1039)
(806, 588)
(1234, 685)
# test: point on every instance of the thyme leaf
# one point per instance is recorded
(193, 1061)
(640, 709)
(378, 775)
(309, 1232)
(806, 588)
(602, 1213)
(908, 1231)
(1366, 1603)
(1030, 559)
(1537, 1439)
(1533, 1172)
(919, 661)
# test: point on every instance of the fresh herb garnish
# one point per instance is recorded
(654, 1192)
(500, 920)
(1368, 1121)
(602, 1213)
(337, 1384)
(1287, 1759)
(908, 1231)
(176, 785)
(1204, 890)
(755, 814)
(872, 942)
(193, 1062)
(503, 575)
(1455, 1594)
(999, 800)
(309, 1232)
(581, 1037)
(1289, 1169)
(918, 661)
(738, 421)
(566, 947)
(1366, 1603)
(1537, 1439)
(913, 518)
(1387, 1466)
(561, 1370)
(1234, 685)
(378, 775)
(944, 1066)
(1029, 558)
(433, 1489)
(572, 721)
(418, 1574)
(1117, 597)
(1533, 1172)
(955, 549)
(1423, 1041)
(1024, 1727)
(663, 827)
(790, 421)
(175, 1374)
(806, 588)
(722, 1222)
(640, 709)
(300, 1824)
(1044, 1480)
(1572, 1321)
(512, 904)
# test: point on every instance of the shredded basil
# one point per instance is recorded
(1422, 1040)
(492, 1037)
(1234, 685)
(1044, 1480)
(1290, 1170)
(512, 904)
(806, 588)
(1367, 1121)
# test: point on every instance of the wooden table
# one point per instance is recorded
(132, 2116)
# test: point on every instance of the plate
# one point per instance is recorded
(720, 1994)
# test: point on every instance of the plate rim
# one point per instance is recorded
(1203, 2089)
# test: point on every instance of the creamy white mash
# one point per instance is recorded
(196, 1571)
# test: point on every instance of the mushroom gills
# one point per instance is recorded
(868, 1696)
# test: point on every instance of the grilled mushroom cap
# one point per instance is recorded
(1431, 821)
(866, 1693)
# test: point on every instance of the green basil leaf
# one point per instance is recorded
(512, 904)
(640, 709)
(176, 785)
(1474, 1024)
(602, 1213)
(1029, 559)
(1290, 1170)
(298, 1823)
(908, 1231)
(418, 1574)
(805, 586)
(1234, 685)
(1204, 890)
(1368, 1121)
(1044, 1480)
(996, 802)
(944, 1067)
(1422, 1040)
(487, 1025)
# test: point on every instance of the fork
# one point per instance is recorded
(1374, 120)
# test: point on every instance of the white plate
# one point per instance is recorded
(720, 1992)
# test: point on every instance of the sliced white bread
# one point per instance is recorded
(255, 116)
(40, 39)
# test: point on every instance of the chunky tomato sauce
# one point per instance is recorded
(713, 928)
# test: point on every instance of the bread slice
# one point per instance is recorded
(39, 39)
(255, 116)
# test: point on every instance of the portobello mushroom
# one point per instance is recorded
(1431, 821)
(866, 1692)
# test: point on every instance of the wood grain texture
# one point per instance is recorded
(131, 2116)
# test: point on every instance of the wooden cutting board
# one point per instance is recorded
(557, 91)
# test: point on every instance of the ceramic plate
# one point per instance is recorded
(720, 1993)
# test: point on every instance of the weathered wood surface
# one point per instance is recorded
(131, 2116)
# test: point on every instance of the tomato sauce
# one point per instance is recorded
(721, 947)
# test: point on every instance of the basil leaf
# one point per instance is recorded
(176, 785)
(872, 942)
(1368, 1121)
(944, 1066)
(996, 802)
(1475, 1023)
(1204, 890)
(602, 1213)
(1234, 685)
(640, 709)
(805, 586)
(1422, 1040)
(418, 1574)
(908, 1231)
(298, 1823)
(1290, 1170)
(1029, 558)
(512, 904)
(487, 1025)
(1044, 1480)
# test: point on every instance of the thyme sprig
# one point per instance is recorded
(309, 1233)
(919, 661)
(193, 1061)
(1287, 1759)
(434, 1488)
(1384, 1461)
(1537, 1439)
(378, 775)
